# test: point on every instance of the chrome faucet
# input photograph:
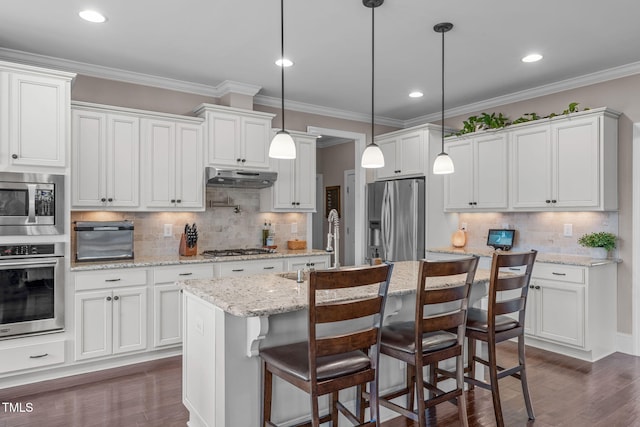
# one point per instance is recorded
(334, 221)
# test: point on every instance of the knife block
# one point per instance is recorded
(186, 250)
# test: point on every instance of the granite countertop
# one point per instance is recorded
(181, 260)
(268, 294)
(578, 260)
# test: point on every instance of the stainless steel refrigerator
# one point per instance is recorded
(396, 219)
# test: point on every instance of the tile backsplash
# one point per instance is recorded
(543, 231)
(218, 227)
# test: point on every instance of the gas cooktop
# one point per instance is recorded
(237, 252)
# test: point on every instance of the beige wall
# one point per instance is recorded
(619, 95)
(331, 162)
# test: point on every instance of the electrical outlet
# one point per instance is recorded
(568, 230)
(463, 226)
(168, 230)
(294, 227)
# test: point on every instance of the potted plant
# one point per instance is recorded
(605, 241)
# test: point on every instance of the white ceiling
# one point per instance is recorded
(198, 44)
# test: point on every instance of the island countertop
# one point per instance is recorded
(268, 294)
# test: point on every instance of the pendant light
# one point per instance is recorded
(282, 145)
(443, 164)
(372, 156)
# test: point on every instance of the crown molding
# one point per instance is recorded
(325, 111)
(229, 86)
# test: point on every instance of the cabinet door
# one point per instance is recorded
(88, 167)
(388, 148)
(224, 143)
(305, 263)
(560, 312)
(160, 176)
(458, 186)
(256, 137)
(38, 120)
(491, 172)
(577, 162)
(189, 166)
(129, 319)
(93, 324)
(123, 161)
(305, 180)
(531, 167)
(411, 154)
(284, 188)
(167, 315)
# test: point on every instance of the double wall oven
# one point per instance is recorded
(31, 289)
(31, 274)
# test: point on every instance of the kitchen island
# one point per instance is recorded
(227, 320)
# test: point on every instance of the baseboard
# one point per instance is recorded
(624, 344)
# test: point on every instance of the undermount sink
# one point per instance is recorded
(293, 275)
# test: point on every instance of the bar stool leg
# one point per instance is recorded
(334, 408)
(471, 361)
(523, 378)
(422, 420)
(462, 401)
(493, 379)
(411, 386)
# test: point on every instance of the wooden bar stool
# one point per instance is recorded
(503, 321)
(334, 361)
(436, 334)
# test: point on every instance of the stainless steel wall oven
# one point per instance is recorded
(31, 289)
(31, 204)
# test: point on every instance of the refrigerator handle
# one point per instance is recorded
(385, 222)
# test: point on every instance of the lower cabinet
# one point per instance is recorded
(110, 313)
(33, 355)
(167, 300)
(317, 262)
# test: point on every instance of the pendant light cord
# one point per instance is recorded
(442, 117)
(372, 70)
(282, 57)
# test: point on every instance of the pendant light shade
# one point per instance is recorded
(443, 163)
(282, 145)
(372, 156)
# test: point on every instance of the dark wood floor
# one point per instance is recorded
(565, 392)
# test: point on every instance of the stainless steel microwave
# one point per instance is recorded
(31, 204)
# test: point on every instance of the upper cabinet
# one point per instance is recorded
(404, 153)
(480, 178)
(105, 159)
(567, 163)
(236, 138)
(34, 118)
(295, 187)
(174, 172)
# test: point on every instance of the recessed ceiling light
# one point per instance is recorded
(416, 94)
(284, 62)
(534, 57)
(92, 16)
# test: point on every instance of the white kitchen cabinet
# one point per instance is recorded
(243, 268)
(315, 262)
(31, 355)
(480, 181)
(167, 300)
(174, 171)
(110, 313)
(404, 154)
(236, 138)
(295, 188)
(105, 167)
(568, 163)
(34, 117)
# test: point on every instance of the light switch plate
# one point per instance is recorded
(568, 230)
(168, 230)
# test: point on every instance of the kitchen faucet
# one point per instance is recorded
(334, 221)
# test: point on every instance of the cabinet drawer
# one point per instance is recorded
(226, 269)
(182, 272)
(31, 356)
(109, 278)
(560, 273)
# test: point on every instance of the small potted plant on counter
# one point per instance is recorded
(602, 241)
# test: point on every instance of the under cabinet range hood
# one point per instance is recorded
(217, 177)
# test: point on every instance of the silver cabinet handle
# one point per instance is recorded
(39, 356)
(185, 274)
(239, 269)
(268, 268)
(112, 280)
(558, 274)
(514, 269)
